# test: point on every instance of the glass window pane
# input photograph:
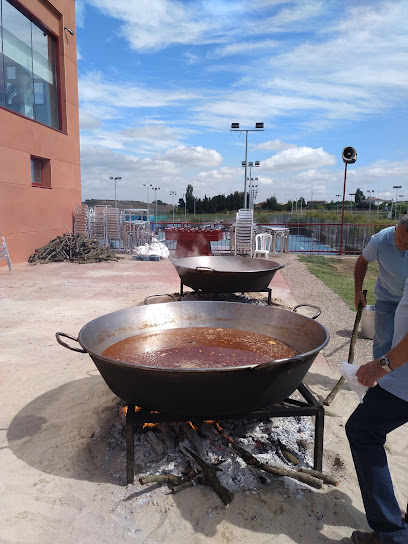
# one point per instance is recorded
(2, 84)
(40, 41)
(16, 35)
(36, 171)
(30, 68)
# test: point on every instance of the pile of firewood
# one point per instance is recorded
(75, 248)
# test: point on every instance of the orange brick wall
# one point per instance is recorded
(32, 216)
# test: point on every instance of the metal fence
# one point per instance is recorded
(317, 238)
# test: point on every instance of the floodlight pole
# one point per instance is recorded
(155, 198)
(396, 187)
(337, 203)
(115, 180)
(173, 193)
(148, 199)
(235, 127)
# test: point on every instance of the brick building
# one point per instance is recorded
(40, 179)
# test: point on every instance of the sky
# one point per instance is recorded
(161, 81)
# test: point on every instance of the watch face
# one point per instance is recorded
(385, 364)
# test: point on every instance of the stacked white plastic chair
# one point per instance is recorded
(113, 226)
(98, 224)
(244, 231)
(81, 219)
(4, 254)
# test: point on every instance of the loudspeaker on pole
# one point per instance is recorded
(349, 155)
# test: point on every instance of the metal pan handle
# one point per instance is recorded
(205, 269)
(310, 306)
(57, 336)
(160, 295)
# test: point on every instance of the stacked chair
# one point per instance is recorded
(244, 231)
(113, 226)
(81, 219)
(97, 222)
(4, 254)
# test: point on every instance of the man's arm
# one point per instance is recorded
(369, 373)
(360, 270)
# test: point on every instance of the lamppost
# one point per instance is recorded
(351, 202)
(337, 203)
(401, 196)
(115, 180)
(235, 127)
(148, 185)
(396, 187)
(173, 193)
(185, 208)
(370, 192)
(155, 199)
(251, 165)
(253, 192)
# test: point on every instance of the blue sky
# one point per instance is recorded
(161, 81)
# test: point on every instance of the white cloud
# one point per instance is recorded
(244, 47)
(298, 158)
(273, 145)
(150, 25)
(88, 121)
(193, 156)
(79, 13)
(95, 88)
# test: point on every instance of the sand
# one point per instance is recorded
(62, 460)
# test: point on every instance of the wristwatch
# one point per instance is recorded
(385, 364)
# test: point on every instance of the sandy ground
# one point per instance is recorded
(62, 478)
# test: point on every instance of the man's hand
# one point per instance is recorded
(359, 298)
(369, 373)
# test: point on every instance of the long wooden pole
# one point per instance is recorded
(340, 382)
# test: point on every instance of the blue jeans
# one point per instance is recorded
(384, 327)
(366, 429)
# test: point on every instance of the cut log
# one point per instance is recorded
(72, 248)
(209, 473)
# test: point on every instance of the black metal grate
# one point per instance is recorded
(287, 408)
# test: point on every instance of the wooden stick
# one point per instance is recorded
(169, 479)
(340, 382)
(210, 476)
(326, 478)
(277, 471)
(181, 487)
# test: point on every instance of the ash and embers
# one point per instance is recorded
(159, 448)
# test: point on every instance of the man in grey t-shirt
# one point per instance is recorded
(387, 247)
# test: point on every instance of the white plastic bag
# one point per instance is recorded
(349, 373)
(142, 250)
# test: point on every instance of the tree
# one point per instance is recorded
(271, 204)
(359, 196)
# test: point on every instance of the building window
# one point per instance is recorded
(40, 172)
(28, 66)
